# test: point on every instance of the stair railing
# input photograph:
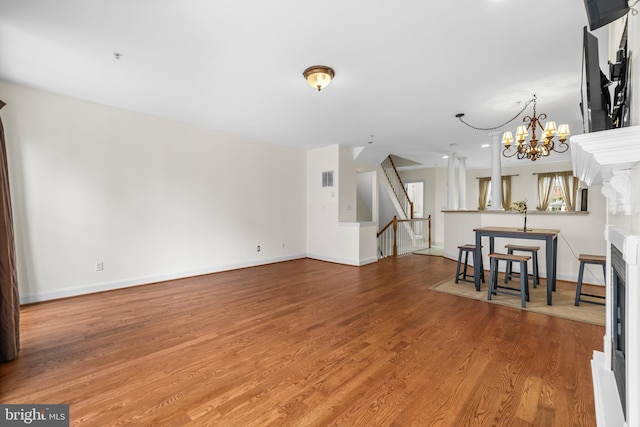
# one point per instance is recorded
(391, 172)
(404, 236)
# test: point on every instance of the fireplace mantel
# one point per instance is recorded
(612, 159)
(595, 155)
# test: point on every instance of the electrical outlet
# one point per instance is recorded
(99, 266)
(258, 248)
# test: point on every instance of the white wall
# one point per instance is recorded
(347, 186)
(332, 234)
(151, 198)
(367, 196)
(435, 197)
(386, 208)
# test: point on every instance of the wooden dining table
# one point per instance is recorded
(550, 236)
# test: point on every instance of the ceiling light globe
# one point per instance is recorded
(318, 76)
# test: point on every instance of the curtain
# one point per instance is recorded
(9, 298)
(545, 189)
(506, 193)
(484, 192)
(569, 188)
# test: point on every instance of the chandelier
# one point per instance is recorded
(534, 148)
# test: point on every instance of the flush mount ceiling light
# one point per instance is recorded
(319, 76)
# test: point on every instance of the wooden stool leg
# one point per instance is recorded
(507, 271)
(481, 268)
(579, 284)
(458, 266)
(493, 277)
(525, 291)
(536, 270)
(524, 284)
(466, 264)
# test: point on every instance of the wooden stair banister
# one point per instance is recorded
(397, 186)
(406, 238)
(404, 190)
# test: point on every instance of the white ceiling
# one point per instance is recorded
(403, 68)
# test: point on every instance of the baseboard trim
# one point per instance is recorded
(607, 401)
(356, 263)
(127, 283)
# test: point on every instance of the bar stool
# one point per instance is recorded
(467, 249)
(534, 254)
(589, 259)
(494, 289)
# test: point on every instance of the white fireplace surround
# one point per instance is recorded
(612, 159)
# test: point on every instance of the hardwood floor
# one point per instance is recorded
(303, 343)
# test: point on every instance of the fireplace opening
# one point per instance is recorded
(618, 275)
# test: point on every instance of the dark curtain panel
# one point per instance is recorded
(9, 298)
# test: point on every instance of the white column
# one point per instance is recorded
(462, 183)
(451, 182)
(496, 173)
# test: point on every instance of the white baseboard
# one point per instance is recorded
(356, 263)
(608, 407)
(126, 283)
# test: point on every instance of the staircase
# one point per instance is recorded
(405, 234)
(396, 190)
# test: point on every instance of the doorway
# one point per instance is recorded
(415, 191)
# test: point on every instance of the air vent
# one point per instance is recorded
(327, 179)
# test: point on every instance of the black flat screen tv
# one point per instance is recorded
(596, 100)
(603, 12)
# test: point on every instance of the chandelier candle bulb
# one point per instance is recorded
(550, 128)
(507, 138)
(563, 130)
(522, 133)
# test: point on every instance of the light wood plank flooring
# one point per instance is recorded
(303, 343)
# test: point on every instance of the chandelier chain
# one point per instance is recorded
(503, 124)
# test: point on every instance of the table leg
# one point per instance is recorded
(550, 270)
(555, 262)
(477, 256)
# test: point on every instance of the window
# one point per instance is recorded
(485, 201)
(557, 191)
(557, 202)
(415, 191)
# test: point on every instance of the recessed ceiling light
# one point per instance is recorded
(445, 157)
(485, 145)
